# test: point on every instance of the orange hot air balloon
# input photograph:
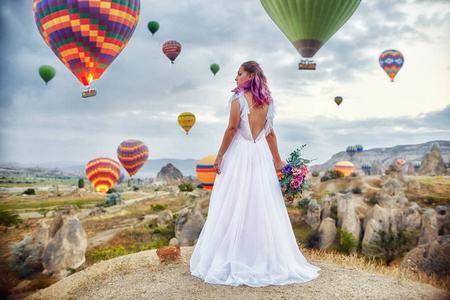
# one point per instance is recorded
(345, 167)
(205, 172)
(171, 49)
(87, 36)
(103, 172)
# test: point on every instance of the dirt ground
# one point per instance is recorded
(141, 276)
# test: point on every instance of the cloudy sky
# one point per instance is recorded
(141, 94)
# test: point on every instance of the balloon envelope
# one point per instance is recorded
(186, 120)
(338, 100)
(205, 172)
(351, 150)
(309, 24)
(47, 73)
(391, 61)
(87, 36)
(400, 162)
(153, 26)
(345, 167)
(416, 166)
(359, 149)
(366, 167)
(171, 49)
(133, 154)
(214, 68)
(103, 172)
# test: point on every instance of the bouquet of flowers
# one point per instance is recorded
(293, 176)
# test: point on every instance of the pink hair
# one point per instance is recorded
(257, 85)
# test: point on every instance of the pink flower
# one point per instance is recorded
(296, 171)
(295, 183)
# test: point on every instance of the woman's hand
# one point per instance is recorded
(217, 163)
(278, 165)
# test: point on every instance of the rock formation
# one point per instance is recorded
(432, 163)
(328, 232)
(429, 227)
(443, 219)
(376, 168)
(188, 225)
(347, 217)
(325, 206)
(169, 253)
(67, 245)
(313, 214)
(432, 257)
(97, 211)
(164, 218)
(169, 173)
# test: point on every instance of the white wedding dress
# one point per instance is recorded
(248, 238)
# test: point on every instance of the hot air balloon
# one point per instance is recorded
(351, 150)
(214, 68)
(338, 100)
(103, 172)
(186, 121)
(121, 177)
(171, 49)
(366, 168)
(391, 61)
(205, 172)
(153, 26)
(309, 24)
(345, 167)
(133, 154)
(47, 73)
(359, 149)
(400, 162)
(416, 166)
(86, 35)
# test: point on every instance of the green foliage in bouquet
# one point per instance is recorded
(294, 175)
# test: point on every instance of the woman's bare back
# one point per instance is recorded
(257, 116)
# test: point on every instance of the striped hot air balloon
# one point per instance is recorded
(133, 154)
(186, 121)
(171, 49)
(103, 172)
(87, 36)
(351, 150)
(359, 149)
(205, 172)
(391, 61)
(416, 166)
(366, 168)
(345, 167)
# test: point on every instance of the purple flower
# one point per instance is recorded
(286, 169)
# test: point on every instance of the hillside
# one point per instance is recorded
(141, 276)
(386, 156)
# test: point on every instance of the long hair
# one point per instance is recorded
(257, 85)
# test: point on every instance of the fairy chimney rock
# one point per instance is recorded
(169, 173)
(432, 163)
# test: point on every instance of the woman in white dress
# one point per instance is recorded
(247, 238)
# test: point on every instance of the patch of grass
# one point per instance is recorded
(302, 232)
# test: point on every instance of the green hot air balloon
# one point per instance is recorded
(153, 26)
(309, 24)
(47, 73)
(214, 68)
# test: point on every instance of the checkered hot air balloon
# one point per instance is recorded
(103, 172)
(391, 61)
(133, 154)
(87, 36)
(205, 172)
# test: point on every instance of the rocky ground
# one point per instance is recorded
(141, 276)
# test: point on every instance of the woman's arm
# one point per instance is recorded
(233, 123)
(272, 141)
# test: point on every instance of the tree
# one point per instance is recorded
(390, 245)
(186, 187)
(80, 183)
(347, 243)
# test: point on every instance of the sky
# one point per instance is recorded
(141, 94)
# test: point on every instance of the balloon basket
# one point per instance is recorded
(89, 92)
(307, 65)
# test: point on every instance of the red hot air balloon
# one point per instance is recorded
(87, 36)
(171, 49)
(133, 154)
(103, 172)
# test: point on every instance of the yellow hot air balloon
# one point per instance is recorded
(205, 172)
(186, 121)
(345, 167)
